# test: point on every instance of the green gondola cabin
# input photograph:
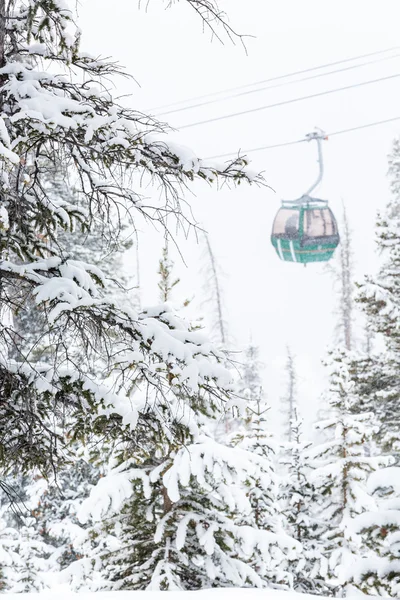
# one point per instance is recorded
(305, 231)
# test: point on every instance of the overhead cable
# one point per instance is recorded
(276, 78)
(276, 85)
(291, 101)
(340, 132)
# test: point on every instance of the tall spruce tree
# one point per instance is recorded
(289, 400)
(341, 466)
(343, 274)
(264, 493)
(297, 495)
(376, 373)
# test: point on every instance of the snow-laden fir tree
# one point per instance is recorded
(167, 280)
(26, 556)
(342, 269)
(56, 108)
(267, 513)
(378, 572)
(341, 466)
(40, 533)
(25, 559)
(289, 400)
(250, 385)
(297, 495)
(55, 509)
(377, 373)
(173, 512)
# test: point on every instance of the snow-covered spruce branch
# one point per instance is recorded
(57, 115)
(69, 288)
(52, 119)
(150, 350)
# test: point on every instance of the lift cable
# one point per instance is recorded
(276, 78)
(290, 101)
(276, 85)
(340, 132)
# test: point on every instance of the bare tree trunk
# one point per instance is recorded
(346, 268)
(167, 500)
(217, 301)
(289, 402)
(2, 63)
(369, 336)
(217, 291)
(291, 391)
(138, 298)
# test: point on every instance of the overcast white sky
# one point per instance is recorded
(172, 60)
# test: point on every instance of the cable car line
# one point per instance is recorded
(258, 149)
(290, 101)
(340, 132)
(364, 126)
(276, 85)
(276, 78)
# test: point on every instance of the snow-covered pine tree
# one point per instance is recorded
(267, 513)
(378, 572)
(40, 531)
(341, 466)
(376, 374)
(54, 506)
(26, 557)
(66, 115)
(173, 511)
(343, 274)
(289, 400)
(297, 495)
(250, 386)
(167, 280)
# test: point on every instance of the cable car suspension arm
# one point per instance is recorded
(317, 135)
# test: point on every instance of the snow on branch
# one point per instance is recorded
(152, 349)
(58, 119)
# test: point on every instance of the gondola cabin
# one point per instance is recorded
(305, 231)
